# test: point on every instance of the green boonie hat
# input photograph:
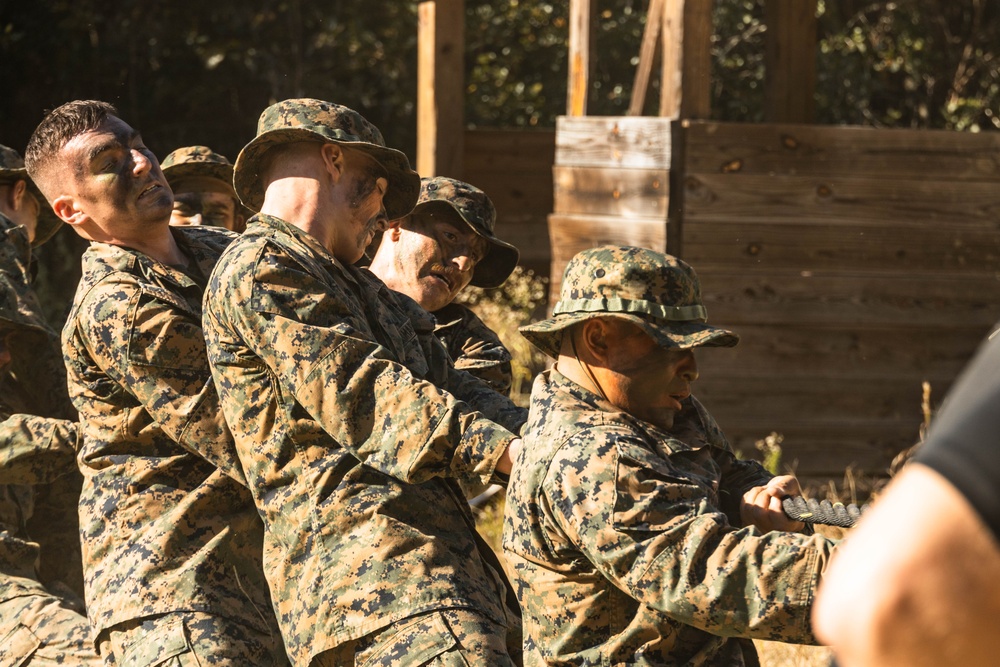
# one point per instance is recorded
(324, 122)
(476, 209)
(13, 316)
(657, 292)
(197, 161)
(12, 169)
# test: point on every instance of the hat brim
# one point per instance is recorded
(404, 183)
(547, 334)
(48, 222)
(501, 260)
(177, 172)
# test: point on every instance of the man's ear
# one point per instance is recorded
(393, 229)
(333, 160)
(594, 336)
(65, 207)
(16, 196)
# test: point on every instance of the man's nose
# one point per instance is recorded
(140, 163)
(689, 369)
(465, 263)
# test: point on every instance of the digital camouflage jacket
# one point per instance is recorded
(39, 532)
(320, 368)
(166, 524)
(474, 347)
(621, 553)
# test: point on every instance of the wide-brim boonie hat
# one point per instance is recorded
(12, 169)
(477, 210)
(307, 119)
(197, 161)
(657, 292)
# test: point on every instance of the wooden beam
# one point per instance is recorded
(790, 61)
(685, 91)
(647, 54)
(582, 20)
(440, 87)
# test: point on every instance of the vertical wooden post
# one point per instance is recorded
(790, 61)
(440, 87)
(582, 18)
(685, 88)
(647, 55)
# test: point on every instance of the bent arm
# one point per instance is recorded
(315, 340)
(36, 450)
(915, 583)
(654, 531)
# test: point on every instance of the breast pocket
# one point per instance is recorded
(17, 646)
(653, 490)
(165, 332)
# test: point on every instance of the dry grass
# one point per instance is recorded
(776, 654)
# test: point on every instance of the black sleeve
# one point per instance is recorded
(963, 443)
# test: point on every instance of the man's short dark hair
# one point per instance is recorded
(57, 128)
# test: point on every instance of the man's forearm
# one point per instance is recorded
(914, 583)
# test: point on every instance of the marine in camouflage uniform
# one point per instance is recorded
(431, 254)
(41, 581)
(171, 540)
(624, 536)
(331, 383)
(202, 182)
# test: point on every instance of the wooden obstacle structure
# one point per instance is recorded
(856, 264)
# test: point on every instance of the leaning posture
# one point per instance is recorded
(634, 534)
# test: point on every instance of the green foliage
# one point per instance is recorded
(770, 448)
(519, 301)
(187, 72)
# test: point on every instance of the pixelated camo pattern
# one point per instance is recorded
(321, 367)
(38, 527)
(656, 291)
(474, 347)
(315, 120)
(621, 555)
(165, 523)
(196, 160)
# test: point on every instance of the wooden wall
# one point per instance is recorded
(514, 167)
(855, 263)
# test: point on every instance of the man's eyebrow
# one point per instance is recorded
(114, 143)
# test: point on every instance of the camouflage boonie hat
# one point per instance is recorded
(323, 122)
(476, 209)
(12, 169)
(197, 161)
(14, 316)
(657, 292)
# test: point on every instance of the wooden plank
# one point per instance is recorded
(841, 200)
(521, 151)
(840, 298)
(817, 150)
(893, 357)
(440, 87)
(569, 234)
(628, 193)
(530, 235)
(605, 141)
(685, 89)
(647, 54)
(790, 51)
(582, 19)
(842, 246)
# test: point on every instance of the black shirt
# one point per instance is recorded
(963, 443)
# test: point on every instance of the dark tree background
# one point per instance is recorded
(187, 72)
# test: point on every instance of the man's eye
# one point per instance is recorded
(183, 209)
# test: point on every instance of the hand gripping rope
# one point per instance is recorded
(822, 511)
